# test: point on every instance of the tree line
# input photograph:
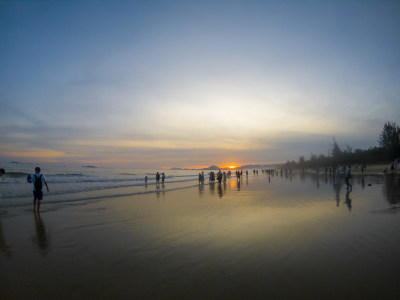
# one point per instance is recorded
(387, 151)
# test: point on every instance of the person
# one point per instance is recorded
(199, 177)
(219, 176)
(145, 179)
(158, 177)
(2, 172)
(212, 176)
(202, 176)
(163, 177)
(38, 180)
(348, 176)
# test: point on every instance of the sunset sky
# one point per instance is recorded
(151, 84)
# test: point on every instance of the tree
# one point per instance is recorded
(389, 140)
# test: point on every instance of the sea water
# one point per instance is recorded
(85, 182)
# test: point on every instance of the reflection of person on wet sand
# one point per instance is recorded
(347, 177)
(220, 192)
(348, 200)
(201, 189)
(41, 235)
(3, 245)
(336, 188)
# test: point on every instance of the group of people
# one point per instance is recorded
(221, 176)
(158, 177)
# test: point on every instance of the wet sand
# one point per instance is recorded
(289, 237)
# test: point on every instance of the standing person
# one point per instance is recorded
(348, 176)
(158, 178)
(219, 176)
(37, 179)
(202, 176)
(145, 179)
(2, 172)
(162, 177)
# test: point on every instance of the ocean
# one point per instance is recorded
(80, 183)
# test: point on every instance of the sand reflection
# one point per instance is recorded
(42, 239)
(391, 189)
(3, 245)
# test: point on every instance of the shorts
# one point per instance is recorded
(38, 195)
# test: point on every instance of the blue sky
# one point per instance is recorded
(194, 83)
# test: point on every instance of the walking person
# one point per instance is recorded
(38, 180)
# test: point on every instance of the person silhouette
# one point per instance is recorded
(38, 180)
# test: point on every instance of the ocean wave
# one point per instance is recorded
(68, 175)
(62, 187)
(16, 174)
(90, 195)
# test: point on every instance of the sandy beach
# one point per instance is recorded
(290, 237)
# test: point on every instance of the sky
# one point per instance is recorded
(159, 84)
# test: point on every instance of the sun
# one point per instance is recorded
(231, 167)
